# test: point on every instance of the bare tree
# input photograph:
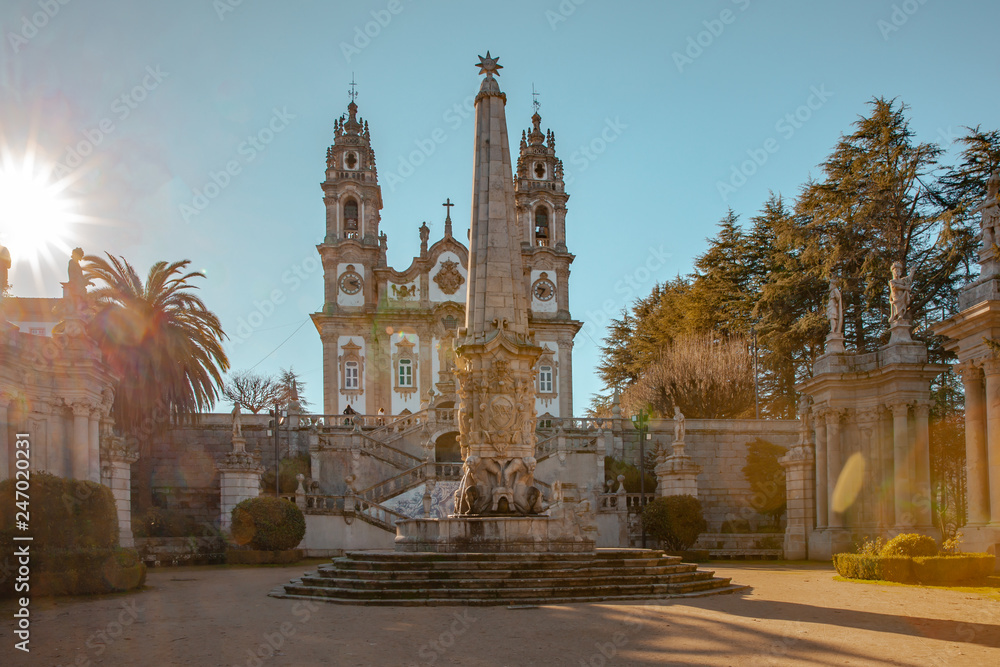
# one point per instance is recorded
(251, 390)
(705, 377)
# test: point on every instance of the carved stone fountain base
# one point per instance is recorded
(491, 534)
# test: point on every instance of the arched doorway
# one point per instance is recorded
(446, 449)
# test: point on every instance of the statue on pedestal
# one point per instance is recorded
(680, 426)
(900, 289)
(237, 422)
(990, 209)
(835, 308)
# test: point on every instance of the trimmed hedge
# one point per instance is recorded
(74, 526)
(932, 570)
(268, 524)
(910, 544)
(66, 513)
(65, 572)
(946, 570)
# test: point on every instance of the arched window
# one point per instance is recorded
(351, 216)
(541, 226)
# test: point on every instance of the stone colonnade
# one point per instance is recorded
(894, 441)
(982, 439)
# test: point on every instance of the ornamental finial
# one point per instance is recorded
(489, 66)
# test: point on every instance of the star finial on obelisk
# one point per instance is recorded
(489, 66)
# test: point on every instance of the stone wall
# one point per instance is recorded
(719, 447)
(178, 469)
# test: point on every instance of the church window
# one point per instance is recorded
(405, 373)
(351, 215)
(541, 226)
(545, 379)
(351, 379)
(539, 170)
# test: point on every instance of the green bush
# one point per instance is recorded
(910, 544)
(88, 571)
(858, 566)
(268, 524)
(948, 570)
(675, 521)
(66, 513)
(74, 526)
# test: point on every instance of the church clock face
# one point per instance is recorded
(350, 282)
(543, 289)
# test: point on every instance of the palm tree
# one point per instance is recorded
(159, 338)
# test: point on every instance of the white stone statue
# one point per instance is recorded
(835, 308)
(237, 422)
(900, 288)
(990, 209)
(680, 425)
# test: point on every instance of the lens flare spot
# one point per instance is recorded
(849, 483)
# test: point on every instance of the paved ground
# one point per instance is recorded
(795, 615)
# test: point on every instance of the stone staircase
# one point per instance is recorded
(393, 578)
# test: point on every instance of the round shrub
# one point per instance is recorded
(268, 524)
(910, 544)
(67, 513)
(676, 521)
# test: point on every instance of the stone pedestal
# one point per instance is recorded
(834, 344)
(492, 534)
(800, 490)
(899, 332)
(677, 474)
(239, 479)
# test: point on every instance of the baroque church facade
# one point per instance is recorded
(388, 334)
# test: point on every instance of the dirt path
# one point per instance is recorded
(795, 615)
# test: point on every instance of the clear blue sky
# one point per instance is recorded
(611, 75)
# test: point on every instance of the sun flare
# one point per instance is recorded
(36, 211)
